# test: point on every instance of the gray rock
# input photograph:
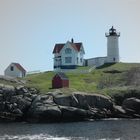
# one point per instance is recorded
(22, 103)
(93, 100)
(84, 101)
(1, 91)
(17, 112)
(27, 99)
(1, 97)
(72, 113)
(64, 100)
(7, 116)
(8, 89)
(52, 112)
(33, 90)
(14, 106)
(21, 90)
(81, 100)
(14, 99)
(37, 99)
(2, 106)
(131, 105)
(33, 96)
(99, 101)
(44, 114)
(9, 107)
(119, 112)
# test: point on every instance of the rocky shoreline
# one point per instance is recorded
(27, 104)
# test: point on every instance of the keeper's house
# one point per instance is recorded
(68, 55)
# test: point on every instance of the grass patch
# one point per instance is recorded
(109, 76)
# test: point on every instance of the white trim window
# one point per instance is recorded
(68, 51)
(68, 59)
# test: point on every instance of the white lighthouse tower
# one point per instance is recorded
(112, 46)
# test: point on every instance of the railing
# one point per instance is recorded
(75, 70)
(108, 34)
(33, 72)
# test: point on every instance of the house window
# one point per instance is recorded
(12, 68)
(81, 60)
(68, 51)
(77, 60)
(68, 59)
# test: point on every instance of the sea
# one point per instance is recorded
(114, 129)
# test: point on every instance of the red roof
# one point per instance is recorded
(19, 67)
(62, 76)
(58, 47)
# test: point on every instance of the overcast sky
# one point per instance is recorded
(29, 29)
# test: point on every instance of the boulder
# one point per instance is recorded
(43, 99)
(119, 112)
(64, 100)
(17, 112)
(33, 90)
(84, 101)
(94, 100)
(8, 117)
(72, 113)
(81, 101)
(14, 99)
(7, 92)
(21, 90)
(7, 89)
(1, 97)
(22, 103)
(43, 113)
(2, 106)
(43, 109)
(131, 105)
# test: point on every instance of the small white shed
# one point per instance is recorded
(15, 70)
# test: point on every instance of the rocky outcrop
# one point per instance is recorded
(132, 106)
(76, 106)
(84, 101)
(26, 104)
(15, 102)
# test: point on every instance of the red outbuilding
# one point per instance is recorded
(60, 80)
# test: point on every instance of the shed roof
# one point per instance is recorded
(19, 67)
(62, 75)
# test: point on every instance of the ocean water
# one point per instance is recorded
(96, 130)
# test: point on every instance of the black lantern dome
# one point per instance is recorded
(112, 31)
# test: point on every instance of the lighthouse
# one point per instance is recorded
(112, 46)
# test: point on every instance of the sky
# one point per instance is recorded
(29, 29)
